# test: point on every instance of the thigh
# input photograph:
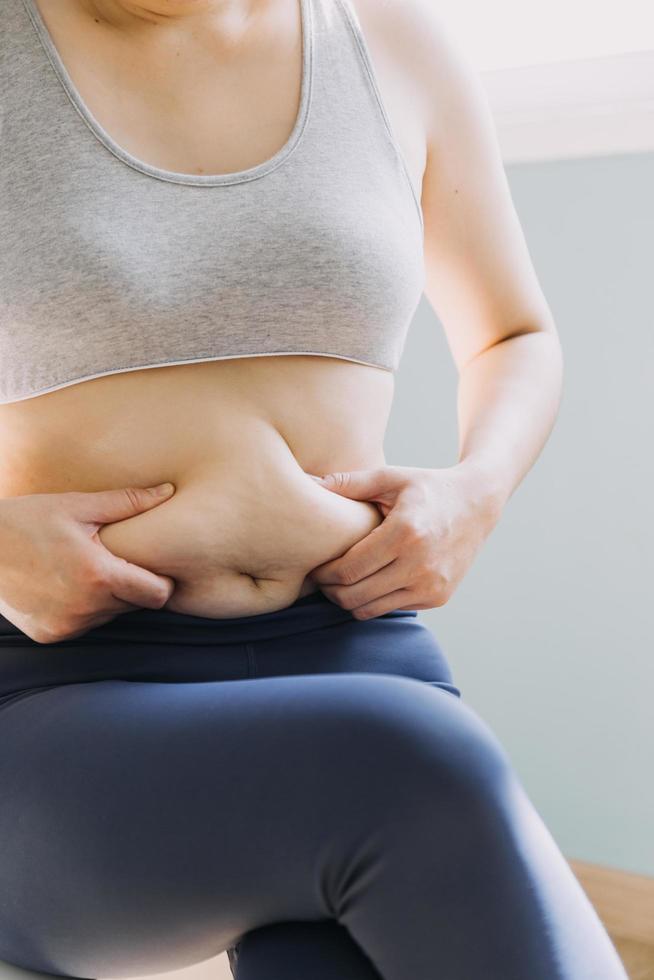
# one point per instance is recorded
(146, 826)
(132, 823)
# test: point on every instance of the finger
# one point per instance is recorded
(388, 603)
(137, 585)
(388, 579)
(112, 606)
(380, 547)
(108, 506)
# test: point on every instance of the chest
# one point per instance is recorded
(214, 103)
(318, 248)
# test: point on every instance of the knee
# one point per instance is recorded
(419, 745)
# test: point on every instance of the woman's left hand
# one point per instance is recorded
(435, 523)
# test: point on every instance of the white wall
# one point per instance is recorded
(511, 32)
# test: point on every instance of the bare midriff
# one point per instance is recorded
(238, 438)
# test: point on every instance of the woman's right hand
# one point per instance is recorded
(57, 579)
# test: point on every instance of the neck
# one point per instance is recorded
(132, 14)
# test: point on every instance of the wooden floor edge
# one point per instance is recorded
(623, 900)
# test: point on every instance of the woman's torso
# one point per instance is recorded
(237, 437)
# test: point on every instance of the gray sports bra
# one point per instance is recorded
(109, 264)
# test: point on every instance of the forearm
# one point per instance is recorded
(508, 400)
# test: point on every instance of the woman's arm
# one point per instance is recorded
(480, 280)
(507, 404)
(478, 272)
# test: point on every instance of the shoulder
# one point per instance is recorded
(416, 39)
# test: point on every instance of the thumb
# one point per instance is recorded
(107, 506)
(361, 484)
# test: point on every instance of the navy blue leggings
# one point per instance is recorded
(303, 789)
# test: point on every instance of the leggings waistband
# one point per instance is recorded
(166, 646)
(309, 612)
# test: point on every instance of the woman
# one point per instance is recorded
(222, 726)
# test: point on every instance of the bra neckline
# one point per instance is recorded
(207, 180)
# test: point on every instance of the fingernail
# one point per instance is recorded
(318, 479)
(163, 489)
